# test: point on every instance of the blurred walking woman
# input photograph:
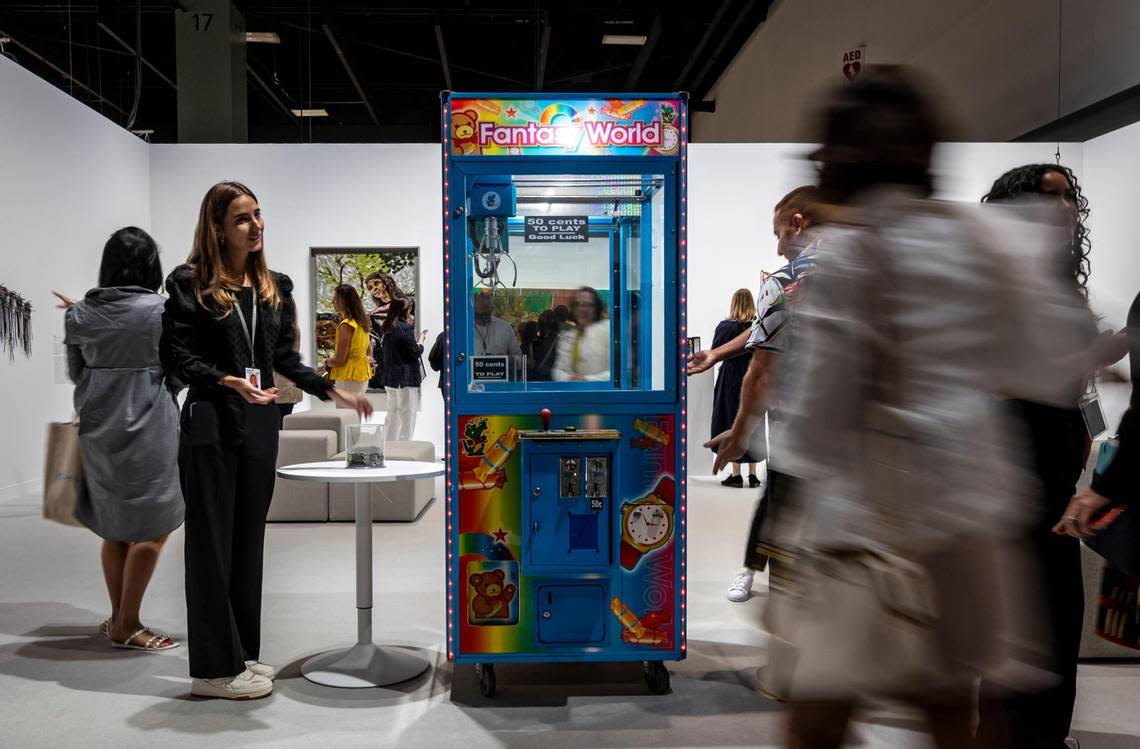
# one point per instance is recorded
(348, 366)
(228, 324)
(128, 428)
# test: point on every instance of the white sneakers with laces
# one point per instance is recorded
(741, 588)
(245, 686)
(262, 669)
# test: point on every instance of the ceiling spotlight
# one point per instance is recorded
(633, 40)
(262, 37)
(310, 112)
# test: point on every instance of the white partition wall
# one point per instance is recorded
(1111, 181)
(732, 191)
(323, 195)
(70, 178)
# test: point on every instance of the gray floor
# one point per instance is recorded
(63, 686)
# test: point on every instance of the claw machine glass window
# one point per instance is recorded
(567, 282)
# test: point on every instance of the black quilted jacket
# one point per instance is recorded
(401, 356)
(198, 348)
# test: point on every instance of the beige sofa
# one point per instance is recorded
(318, 435)
(394, 502)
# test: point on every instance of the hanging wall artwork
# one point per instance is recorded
(355, 266)
(15, 323)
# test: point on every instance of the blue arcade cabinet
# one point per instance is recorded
(564, 235)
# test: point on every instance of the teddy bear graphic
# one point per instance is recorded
(464, 140)
(492, 598)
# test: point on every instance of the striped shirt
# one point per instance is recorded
(774, 302)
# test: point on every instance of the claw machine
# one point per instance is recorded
(564, 242)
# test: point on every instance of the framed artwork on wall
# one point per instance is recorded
(376, 273)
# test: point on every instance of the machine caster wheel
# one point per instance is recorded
(485, 674)
(656, 676)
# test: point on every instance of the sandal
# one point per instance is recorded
(154, 644)
(105, 628)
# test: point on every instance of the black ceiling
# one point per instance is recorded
(394, 50)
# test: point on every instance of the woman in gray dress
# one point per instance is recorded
(128, 431)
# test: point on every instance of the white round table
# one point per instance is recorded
(365, 664)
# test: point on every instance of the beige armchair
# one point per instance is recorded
(311, 436)
(395, 502)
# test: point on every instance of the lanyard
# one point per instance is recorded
(245, 329)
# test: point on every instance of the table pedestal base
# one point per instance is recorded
(364, 665)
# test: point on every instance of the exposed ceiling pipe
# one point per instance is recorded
(643, 55)
(351, 75)
(270, 93)
(698, 89)
(700, 48)
(62, 72)
(543, 53)
(442, 54)
(162, 76)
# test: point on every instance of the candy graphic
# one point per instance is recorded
(652, 431)
(468, 481)
(634, 630)
(496, 457)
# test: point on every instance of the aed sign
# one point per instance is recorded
(541, 229)
(489, 369)
(853, 62)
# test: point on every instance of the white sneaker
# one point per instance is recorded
(245, 686)
(262, 669)
(741, 588)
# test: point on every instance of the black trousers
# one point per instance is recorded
(1041, 720)
(227, 460)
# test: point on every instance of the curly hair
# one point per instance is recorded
(1027, 180)
(387, 282)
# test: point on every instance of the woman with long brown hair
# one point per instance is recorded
(383, 289)
(228, 327)
(348, 366)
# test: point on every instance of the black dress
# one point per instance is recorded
(726, 392)
(1055, 447)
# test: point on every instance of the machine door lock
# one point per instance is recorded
(461, 357)
(545, 614)
(537, 491)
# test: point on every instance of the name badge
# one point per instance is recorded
(1093, 414)
(253, 374)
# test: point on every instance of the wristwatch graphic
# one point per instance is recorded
(647, 523)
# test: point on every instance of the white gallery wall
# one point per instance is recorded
(323, 195)
(732, 190)
(1112, 163)
(73, 177)
(70, 178)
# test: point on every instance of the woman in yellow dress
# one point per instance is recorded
(349, 367)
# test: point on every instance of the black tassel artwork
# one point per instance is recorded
(15, 323)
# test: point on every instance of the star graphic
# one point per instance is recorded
(591, 111)
(511, 112)
(500, 535)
